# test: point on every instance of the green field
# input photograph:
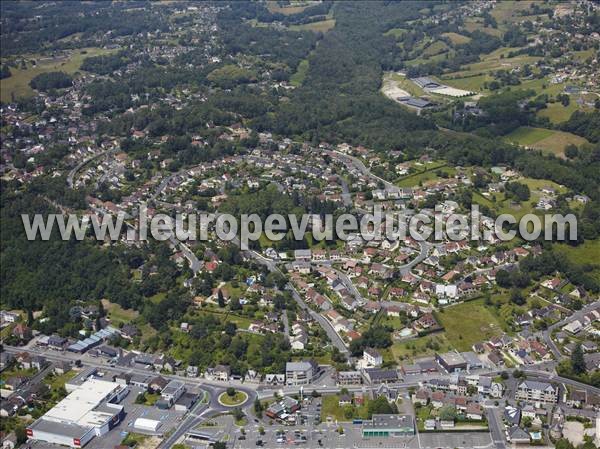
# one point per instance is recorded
(456, 38)
(468, 323)
(420, 347)
(18, 83)
(547, 140)
(298, 78)
(118, 314)
(528, 136)
(588, 253)
(396, 32)
(322, 26)
(292, 8)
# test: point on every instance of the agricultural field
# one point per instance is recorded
(18, 84)
(318, 27)
(456, 38)
(292, 8)
(547, 140)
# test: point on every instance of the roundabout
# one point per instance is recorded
(238, 398)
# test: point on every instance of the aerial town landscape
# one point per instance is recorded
(307, 110)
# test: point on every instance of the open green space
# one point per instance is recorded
(456, 38)
(298, 78)
(468, 323)
(118, 314)
(321, 26)
(547, 140)
(330, 408)
(17, 85)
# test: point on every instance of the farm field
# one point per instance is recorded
(547, 140)
(463, 333)
(322, 26)
(18, 83)
(293, 8)
(456, 38)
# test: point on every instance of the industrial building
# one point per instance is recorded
(89, 410)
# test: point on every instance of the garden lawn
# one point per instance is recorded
(330, 407)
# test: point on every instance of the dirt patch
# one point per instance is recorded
(391, 89)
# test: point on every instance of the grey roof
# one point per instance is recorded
(298, 366)
(535, 385)
(516, 432)
(74, 431)
(389, 422)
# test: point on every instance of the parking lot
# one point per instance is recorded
(169, 419)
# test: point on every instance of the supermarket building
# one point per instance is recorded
(88, 411)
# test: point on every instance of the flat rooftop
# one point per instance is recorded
(74, 431)
(384, 422)
(78, 407)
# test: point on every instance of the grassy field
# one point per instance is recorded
(420, 347)
(435, 48)
(273, 7)
(18, 83)
(55, 382)
(118, 314)
(425, 178)
(456, 38)
(468, 323)
(322, 26)
(508, 11)
(547, 140)
(396, 32)
(330, 407)
(588, 253)
(557, 113)
(527, 136)
(298, 78)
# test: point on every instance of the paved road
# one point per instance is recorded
(73, 172)
(578, 315)
(360, 166)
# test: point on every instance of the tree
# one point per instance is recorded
(235, 304)
(517, 297)
(577, 360)
(380, 406)
(447, 413)
(220, 298)
(230, 392)
(258, 408)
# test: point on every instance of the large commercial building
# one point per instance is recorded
(88, 411)
(388, 426)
